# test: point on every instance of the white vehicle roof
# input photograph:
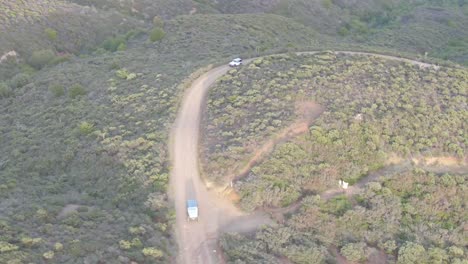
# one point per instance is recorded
(192, 208)
(237, 60)
(192, 212)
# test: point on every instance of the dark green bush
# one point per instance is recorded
(20, 80)
(76, 90)
(112, 44)
(5, 90)
(157, 34)
(41, 58)
(57, 90)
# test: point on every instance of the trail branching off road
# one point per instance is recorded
(198, 240)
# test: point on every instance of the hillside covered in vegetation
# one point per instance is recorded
(84, 170)
(436, 28)
(89, 90)
(374, 110)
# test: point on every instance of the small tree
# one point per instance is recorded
(76, 90)
(354, 252)
(411, 253)
(20, 80)
(57, 90)
(86, 128)
(152, 252)
(157, 34)
(51, 34)
(58, 246)
(41, 58)
(5, 90)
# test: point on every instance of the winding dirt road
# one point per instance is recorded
(198, 240)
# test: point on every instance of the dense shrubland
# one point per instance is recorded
(419, 26)
(84, 169)
(414, 217)
(373, 108)
(84, 164)
(88, 170)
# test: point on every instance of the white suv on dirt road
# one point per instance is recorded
(235, 62)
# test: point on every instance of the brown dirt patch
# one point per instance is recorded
(338, 257)
(394, 159)
(377, 256)
(441, 161)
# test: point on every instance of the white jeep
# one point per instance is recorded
(235, 62)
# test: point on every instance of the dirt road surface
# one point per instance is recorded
(198, 240)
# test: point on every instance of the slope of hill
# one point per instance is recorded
(56, 25)
(84, 171)
(438, 28)
(87, 99)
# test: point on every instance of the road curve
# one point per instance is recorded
(198, 240)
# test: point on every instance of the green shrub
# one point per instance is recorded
(27, 69)
(158, 22)
(327, 3)
(354, 252)
(76, 90)
(41, 58)
(124, 244)
(31, 242)
(5, 90)
(113, 44)
(49, 255)
(6, 247)
(57, 90)
(122, 73)
(152, 252)
(157, 34)
(86, 128)
(20, 80)
(411, 253)
(343, 31)
(51, 34)
(122, 47)
(58, 246)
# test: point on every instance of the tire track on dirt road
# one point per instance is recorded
(197, 240)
